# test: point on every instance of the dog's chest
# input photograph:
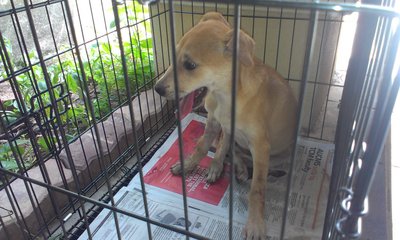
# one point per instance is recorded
(220, 108)
(223, 116)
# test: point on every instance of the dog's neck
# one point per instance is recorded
(224, 94)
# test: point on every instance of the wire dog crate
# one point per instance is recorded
(80, 119)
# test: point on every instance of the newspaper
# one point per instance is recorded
(208, 204)
(200, 222)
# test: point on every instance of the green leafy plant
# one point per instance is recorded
(7, 158)
(104, 70)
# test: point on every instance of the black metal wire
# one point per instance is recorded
(57, 55)
(44, 169)
(151, 80)
(266, 36)
(369, 94)
(330, 6)
(279, 38)
(37, 153)
(376, 139)
(129, 94)
(156, 64)
(156, 50)
(316, 76)
(93, 115)
(235, 78)
(362, 118)
(3, 225)
(52, 125)
(295, 20)
(61, 170)
(178, 113)
(246, 15)
(33, 82)
(129, 174)
(31, 6)
(80, 133)
(306, 74)
(135, 67)
(105, 82)
(351, 93)
(11, 195)
(120, 161)
(331, 77)
(181, 16)
(14, 146)
(103, 205)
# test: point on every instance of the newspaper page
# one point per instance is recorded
(307, 201)
(200, 223)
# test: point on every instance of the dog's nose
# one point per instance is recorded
(160, 89)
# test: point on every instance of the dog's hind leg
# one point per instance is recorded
(241, 172)
(242, 161)
(211, 131)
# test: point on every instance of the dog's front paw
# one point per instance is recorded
(176, 169)
(255, 230)
(214, 171)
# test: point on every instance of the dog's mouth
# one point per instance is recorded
(194, 101)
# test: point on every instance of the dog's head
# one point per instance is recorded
(204, 57)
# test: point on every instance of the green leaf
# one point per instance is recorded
(112, 24)
(105, 47)
(15, 104)
(9, 115)
(4, 149)
(21, 149)
(8, 103)
(23, 141)
(32, 55)
(8, 45)
(93, 46)
(10, 165)
(121, 11)
(72, 84)
(56, 75)
(69, 137)
(42, 143)
(147, 43)
(42, 85)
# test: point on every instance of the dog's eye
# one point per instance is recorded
(189, 65)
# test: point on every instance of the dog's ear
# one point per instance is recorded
(214, 16)
(246, 47)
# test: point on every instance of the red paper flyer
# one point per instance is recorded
(196, 186)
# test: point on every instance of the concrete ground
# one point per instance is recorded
(395, 169)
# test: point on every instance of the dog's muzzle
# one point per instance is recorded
(160, 89)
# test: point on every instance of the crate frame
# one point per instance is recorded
(363, 105)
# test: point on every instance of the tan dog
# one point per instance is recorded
(265, 106)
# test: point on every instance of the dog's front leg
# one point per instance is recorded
(211, 131)
(217, 164)
(256, 228)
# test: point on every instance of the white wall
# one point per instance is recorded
(281, 40)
